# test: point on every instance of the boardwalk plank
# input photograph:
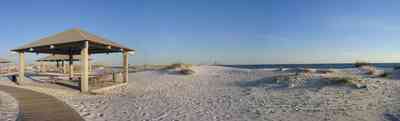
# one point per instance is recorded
(35, 106)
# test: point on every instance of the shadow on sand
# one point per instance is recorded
(13, 78)
(391, 117)
(64, 83)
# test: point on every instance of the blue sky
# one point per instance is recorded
(226, 31)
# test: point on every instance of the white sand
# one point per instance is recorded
(8, 107)
(230, 94)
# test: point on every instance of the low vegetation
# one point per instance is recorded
(302, 70)
(367, 68)
(351, 80)
(281, 78)
(361, 64)
(308, 70)
(370, 70)
(385, 75)
(187, 71)
(292, 80)
(181, 68)
(326, 71)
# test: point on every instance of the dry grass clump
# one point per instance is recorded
(367, 68)
(351, 80)
(326, 71)
(370, 70)
(361, 64)
(187, 71)
(302, 70)
(385, 75)
(181, 68)
(308, 70)
(281, 78)
(293, 81)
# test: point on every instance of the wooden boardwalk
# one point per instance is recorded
(35, 106)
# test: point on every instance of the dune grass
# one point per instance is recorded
(181, 68)
(326, 71)
(361, 64)
(347, 79)
(385, 75)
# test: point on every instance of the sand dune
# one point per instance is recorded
(230, 94)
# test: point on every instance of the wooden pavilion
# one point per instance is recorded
(60, 59)
(74, 42)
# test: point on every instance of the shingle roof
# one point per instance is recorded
(71, 36)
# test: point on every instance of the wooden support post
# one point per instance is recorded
(85, 67)
(58, 64)
(71, 67)
(21, 68)
(64, 68)
(41, 66)
(126, 66)
(90, 67)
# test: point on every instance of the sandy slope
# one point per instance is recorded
(229, 94)
(220, 93)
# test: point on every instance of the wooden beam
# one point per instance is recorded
(21, 68)
(85, 67)
(126, 66)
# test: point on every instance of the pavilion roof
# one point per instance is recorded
(71, 42)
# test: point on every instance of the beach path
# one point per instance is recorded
(35, 106)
